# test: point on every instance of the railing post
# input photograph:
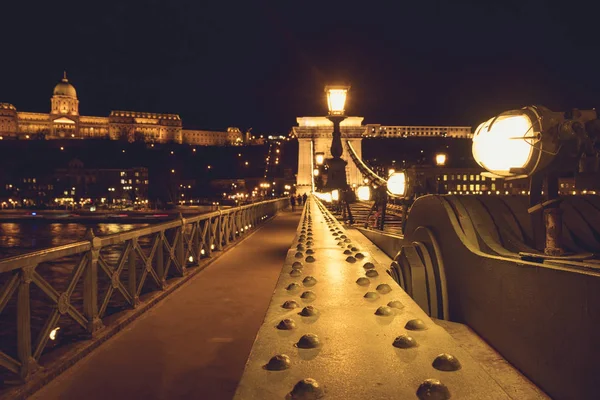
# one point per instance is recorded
(220, 231)
(180, 249)
(28, 363)
(132, 274)
(208, 238)
(90, 285)
(196, 243)
(160, 261)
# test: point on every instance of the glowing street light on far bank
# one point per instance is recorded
(440, 159)
(396, 184)
(319, 158)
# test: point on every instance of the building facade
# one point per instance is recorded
(65, 122)
(394, 131)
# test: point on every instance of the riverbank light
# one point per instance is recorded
(320, 158)
(363, 193)
(316, 172)
(396, 184)
(440, 159)
(336, 98)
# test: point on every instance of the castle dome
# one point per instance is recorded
(64, 88)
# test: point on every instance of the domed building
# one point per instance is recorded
(65, 122)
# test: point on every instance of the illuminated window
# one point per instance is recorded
(123, 173)
(445, 177)
(471, 187)
(465, 187)
(477, 187)
(464, 178)
(476, 177)
(122, 181)
(472, 177)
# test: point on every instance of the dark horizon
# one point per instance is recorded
(261, 66)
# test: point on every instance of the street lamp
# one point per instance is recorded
(336, 176)
(319, 158)
(538, 143)
(396, 184)
(440, 159)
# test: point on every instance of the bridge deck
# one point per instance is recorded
(354, 357)
(195, 343)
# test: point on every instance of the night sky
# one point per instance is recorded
(260, 64)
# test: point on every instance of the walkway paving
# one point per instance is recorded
(195, 343)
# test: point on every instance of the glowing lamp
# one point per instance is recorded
(336, 99)
(335, 195)
(440, 159)
(316, 172)
(319, 158)
(364, 193)
(396, 184)
(391, 171)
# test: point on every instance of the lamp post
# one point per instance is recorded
(538, 143)
(336, 177)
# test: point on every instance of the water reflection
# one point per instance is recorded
(18, 238)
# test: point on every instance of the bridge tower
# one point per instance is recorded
(314, 136)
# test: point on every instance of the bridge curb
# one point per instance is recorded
(81, 349)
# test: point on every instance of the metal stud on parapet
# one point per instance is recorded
(306, 389)
(286, 324)
(308, 341)
(446, 362)
(404, 342)
(290, 304)
(278, 362)
(433, 389)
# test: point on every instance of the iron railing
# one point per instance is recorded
(129, 265)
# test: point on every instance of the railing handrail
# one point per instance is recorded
(69, 249)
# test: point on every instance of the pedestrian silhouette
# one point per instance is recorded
(293, 202)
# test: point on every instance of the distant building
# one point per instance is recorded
(65, 122)
(393, 131)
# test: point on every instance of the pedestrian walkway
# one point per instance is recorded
(195, 343)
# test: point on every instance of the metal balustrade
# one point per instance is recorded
(128, 264)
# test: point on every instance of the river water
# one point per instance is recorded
(23, 237)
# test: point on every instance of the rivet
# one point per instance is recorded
(295, 273)
(368, 265)
(309, 341)
(354, 248)
(383, 288)
(300, 240)
(309, 311)
(360, 256)
(306, 389)
(297, 265)
(299, 255)
(309, 281)
(309, 234)
(415, 325)
(303, 236)
(350, 246)
(310, 251)
(362, 281)
(309, 259)
(308, 295)
(300, 247)
(350, 259)
(432, 389)
(309, 243)
(446, 362)
(371, 295)
(404, 342)
(289, 304)
(395, 304)
(278, 362)
(334, 234)
(343, 236)
(292, 286)
(347, 251)
(347, 240)
(331, 230)
(372, 273)
(384, 311)
(286, 324)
